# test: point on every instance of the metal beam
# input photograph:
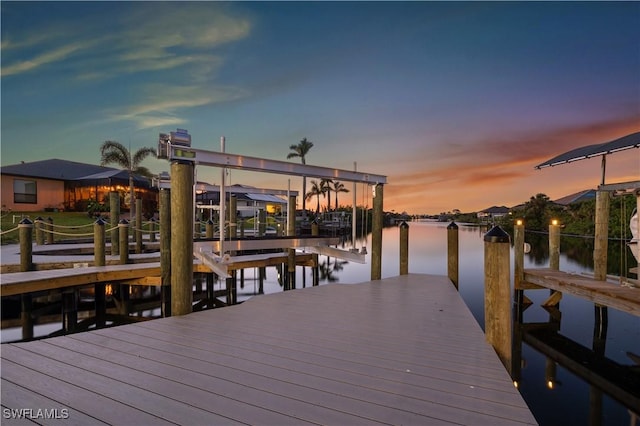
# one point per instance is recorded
(243, 162)
(265, 244)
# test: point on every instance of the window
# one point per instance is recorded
(25, 191)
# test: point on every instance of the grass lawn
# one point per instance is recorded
(76, 220)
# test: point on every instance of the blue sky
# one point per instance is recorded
(455, 102)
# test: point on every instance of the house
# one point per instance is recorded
(493, 212)
(66, 185)
(578, 197)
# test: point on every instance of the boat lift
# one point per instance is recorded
(176, 147)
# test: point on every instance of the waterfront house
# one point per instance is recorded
(55, 184)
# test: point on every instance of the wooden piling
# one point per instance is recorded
(453, 253)
(138, 226)
(69, 310)
(152, 230)
(554, 245)
(99, 242)
(123, 236)
(182, 237)
(26, 316)
(376, 233)
(39, 225)
(25, 235)
(315, 231)
(291, 231)
(165, 251)
(497, 297)
(114, 215)
(518, 259)
(262, 222)
(404, 248)
(100, 300)
(208, 229)
(50, 236)
(123, 233)
(601, 236)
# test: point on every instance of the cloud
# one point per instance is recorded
(50, 56)
(151, 37)
(464, 172)
(163, 104)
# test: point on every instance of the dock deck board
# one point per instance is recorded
(605, 293)
(403, 350)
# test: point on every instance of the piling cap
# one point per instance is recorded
(123, 222)
(404, 225)
(210, 222)
(99, 221)
(25, 221)
(496, 235)
(452, 225)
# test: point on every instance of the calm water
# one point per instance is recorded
(568, 402)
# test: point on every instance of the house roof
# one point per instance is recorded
(496, 210)
(578, 197)
(113, 174)
(54, 169)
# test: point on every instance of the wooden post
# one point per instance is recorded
(291, 213)
(165, 251)
(376, 233)
(554, 245)
(123, 232)
(404, 248)
(453, 254)
(50, 239)
(291, 231)
(518, 254)
(138, 226)
(99, 249)
(291, 269)
(25, 233)
(39, 224)
(208, 229)
(182, 238)
(114, 216)
(152, 230)
(262, 222)
(69, 310)
(26, 317)
(315, 231)
(497, 297)
(601, 236)
(99, 242)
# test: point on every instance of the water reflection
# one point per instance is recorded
(556, 392)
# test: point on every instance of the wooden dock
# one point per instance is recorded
(404, 350)
(604, 293)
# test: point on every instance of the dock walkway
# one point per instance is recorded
(403, 350)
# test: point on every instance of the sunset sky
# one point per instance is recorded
(455, 102)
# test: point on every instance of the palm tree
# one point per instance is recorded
(337, 188)
(301, 150)
(113, 152)
(325, 184)
(316, 190)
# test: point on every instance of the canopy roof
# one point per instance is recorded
(625, 142)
